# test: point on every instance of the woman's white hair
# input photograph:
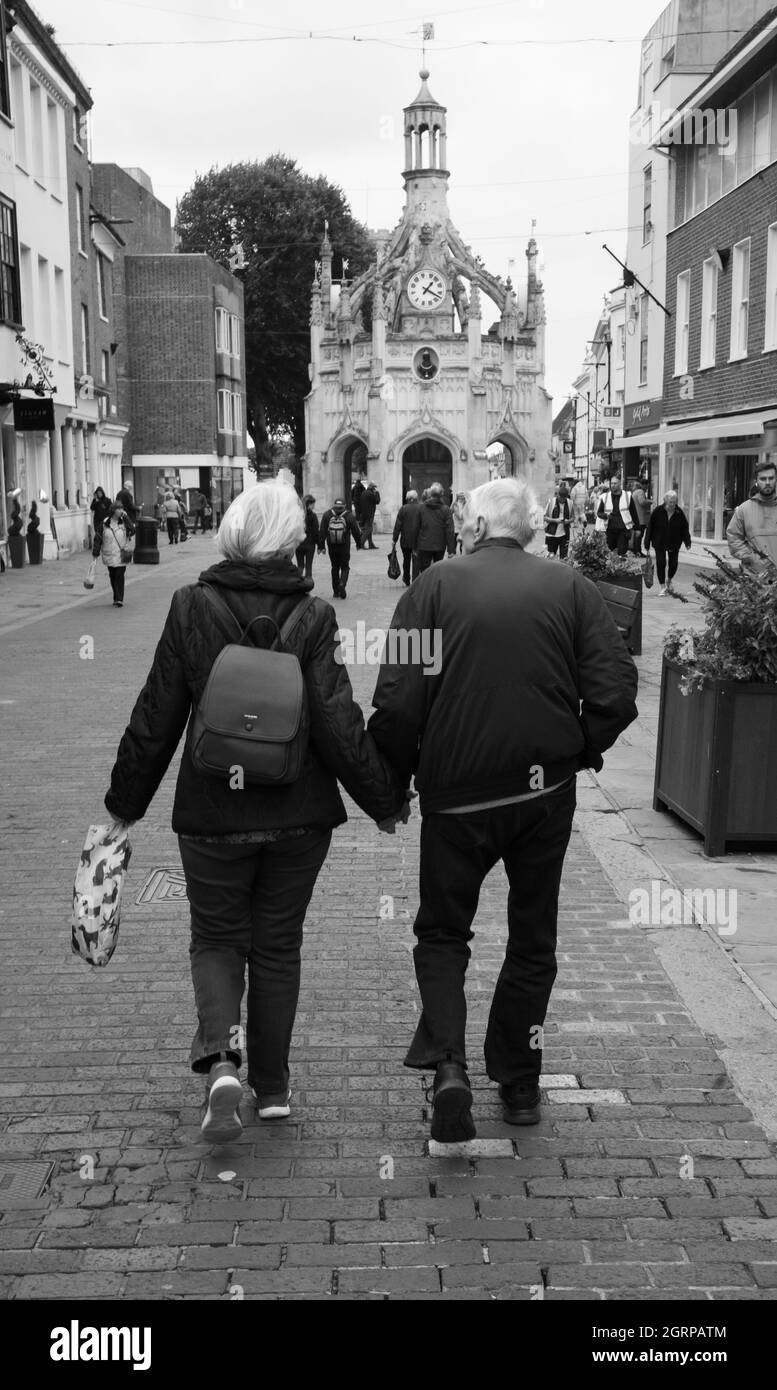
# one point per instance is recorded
(507, 506)
(668, 494)
(266, 519)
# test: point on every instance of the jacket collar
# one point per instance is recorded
(277, 573)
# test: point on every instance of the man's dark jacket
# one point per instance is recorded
(367, 504)
(406, 525)
(351, 529)
(523, 643)
(665, 532)
(193, 636)
(434, 527)
(356, 492)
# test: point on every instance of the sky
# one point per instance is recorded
(539, 95)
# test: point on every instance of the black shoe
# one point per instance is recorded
(343, 594)
(452, 1121)
(521, 1105)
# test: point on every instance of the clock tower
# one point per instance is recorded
(422, 394)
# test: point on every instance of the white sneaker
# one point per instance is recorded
(222, 1121)
(662, 592)
(272, 1107)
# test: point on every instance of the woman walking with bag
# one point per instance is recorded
(116, 551)
(251, 857)
(666, 531)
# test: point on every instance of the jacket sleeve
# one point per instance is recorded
(314, 529)
(414, 528)
(686, 532)
(397, 527)
(450, 534)
(155, 728)
(633, 511)
(606, 675)
(736, 535)
(403, 696)
(354, 528)
(338, 733)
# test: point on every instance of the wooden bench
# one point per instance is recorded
(623, 605)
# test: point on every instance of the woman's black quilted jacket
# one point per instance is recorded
(339, 748)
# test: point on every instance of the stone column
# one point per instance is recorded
(93, 462)
(57, 469)
(80, 460)
(69, 464)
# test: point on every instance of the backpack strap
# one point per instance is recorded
(282, 635)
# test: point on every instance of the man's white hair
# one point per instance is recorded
(266, 519)
(507, 506)
(669, 494)
(411, 496)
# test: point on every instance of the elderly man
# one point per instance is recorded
(530, 683)
(404, 532)
(433, 529)
(752, 530)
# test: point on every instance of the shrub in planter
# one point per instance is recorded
(15, 537)
(716, 758)
(34, 537)
(591, 554)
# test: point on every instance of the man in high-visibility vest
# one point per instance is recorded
(617, 516)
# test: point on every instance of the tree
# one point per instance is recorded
(276, 213)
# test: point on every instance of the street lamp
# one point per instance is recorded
(607, 340)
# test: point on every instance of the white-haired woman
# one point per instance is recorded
(250, 856)
(666, 531)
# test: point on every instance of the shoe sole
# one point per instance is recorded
(222, 1122)
(452, 1121)
(522, 1117)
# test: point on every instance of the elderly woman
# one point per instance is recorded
(251, 857)
(666, 531)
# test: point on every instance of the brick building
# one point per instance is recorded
(720, 362)
(181, 351)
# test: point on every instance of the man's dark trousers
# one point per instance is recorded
(618, 539)
(340, 560)
(427, 558)
(409, 564)
(457, 852)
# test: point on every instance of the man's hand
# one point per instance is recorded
(117, 828)
(388, 826)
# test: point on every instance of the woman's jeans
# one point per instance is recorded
(116, 575)
(248, 905)
(172, 529)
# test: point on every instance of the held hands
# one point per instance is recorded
(389, 825)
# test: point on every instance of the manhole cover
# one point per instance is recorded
(23, 1180)
(163, 883)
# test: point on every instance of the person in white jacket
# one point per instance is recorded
(115, 541)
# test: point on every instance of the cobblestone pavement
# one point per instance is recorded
(646, 1179)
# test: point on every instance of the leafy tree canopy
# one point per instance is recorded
(276, 213)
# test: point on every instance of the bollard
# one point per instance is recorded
(146, 548)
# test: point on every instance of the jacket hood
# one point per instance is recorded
(277, 573)
(765, 501)
(434, 502)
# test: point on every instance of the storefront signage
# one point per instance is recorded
(641, 415)
(35, 414)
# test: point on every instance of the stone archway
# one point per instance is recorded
(512, 463)
(425, 461)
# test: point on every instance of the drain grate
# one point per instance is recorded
(23, 1180)
(163, 883)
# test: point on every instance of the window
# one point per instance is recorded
(222, 330)
(53, 173)
(230, 412)
(79, 127)
(740, 300)
(102, 295)
(60, 336)
(84, 339)
(643, 339)
(80, 222)
(745, 138)
(234, 335)
(36, 121)
(10, 298)
(43, 320)
(5, 106)
(644, 81)
(682, 323)
(761, 133)
(237, 413)
(747, 135)
(223, 411)
(667, 62)
(105, 367)
(770, 340)
(621, 347)
(647, 198)
(709, 314)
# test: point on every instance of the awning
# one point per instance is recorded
(718, 427)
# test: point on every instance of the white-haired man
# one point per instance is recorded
(530, 684)
(405, 528)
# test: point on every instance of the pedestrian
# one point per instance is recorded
(578, 499)
(357, 492)
(307, 550)
(197, 506)
(126, 498)
(666, 531)
(558, 521)
(530, 682)
(100, 507)
(433, 530)
(404, 532)
(207, 515)
(752, 530)
(172, 512)
(368, 503)
(178, 495)
(617, 516)
(643, 506)
(457, 513)
(115, 535)
(250, 858)
(337, 527)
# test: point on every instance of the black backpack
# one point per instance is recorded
(338, 528)
(253, 714)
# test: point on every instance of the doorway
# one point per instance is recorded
(424, 462)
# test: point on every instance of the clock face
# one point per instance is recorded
(426, 289)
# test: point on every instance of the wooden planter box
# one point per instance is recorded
(716, 758)
(631, 582)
